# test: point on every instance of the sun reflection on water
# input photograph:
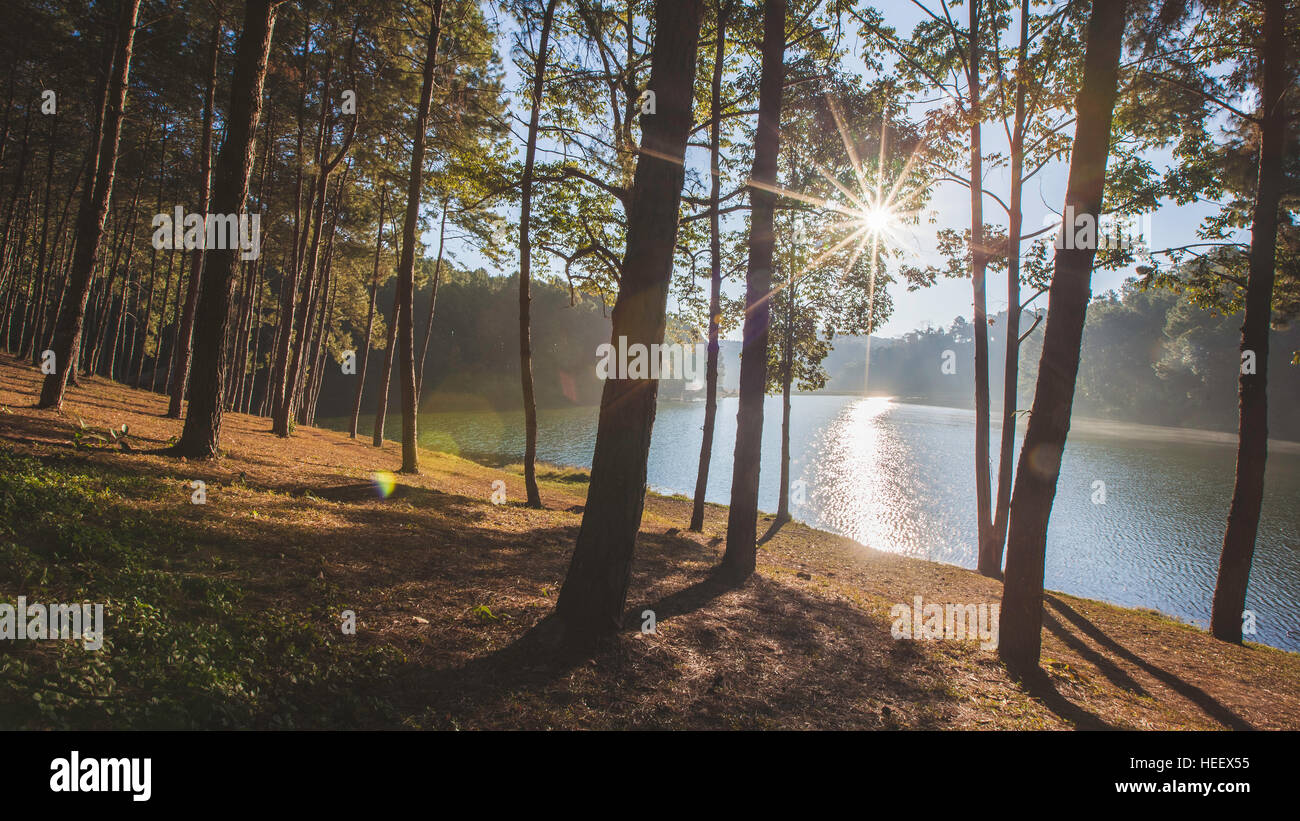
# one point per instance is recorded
(862, 485)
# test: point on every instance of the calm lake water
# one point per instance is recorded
(900, 478)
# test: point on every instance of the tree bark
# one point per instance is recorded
(201, 436)
(787, 380)
(406, 263)
(1020, 632)
(37, 308)
(364, 357)
(143, 326)
(94, 207)
(988, 563)
(1011, 360)
(742, 520)
(385, 379)
(1252, 435)
(433, 301)
(715, 272)
(534, 498)
(185, 335)
(592, 598)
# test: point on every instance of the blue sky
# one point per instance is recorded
(949, 207)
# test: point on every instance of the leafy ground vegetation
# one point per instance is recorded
(227, 614)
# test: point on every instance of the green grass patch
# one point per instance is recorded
(182, 647)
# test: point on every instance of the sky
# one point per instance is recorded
(949, 207)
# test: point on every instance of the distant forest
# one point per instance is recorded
(1149, 356)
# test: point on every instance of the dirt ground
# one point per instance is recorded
(460, 586)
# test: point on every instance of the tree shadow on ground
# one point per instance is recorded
(1212, 707)
(1039, 684)
(758, 654)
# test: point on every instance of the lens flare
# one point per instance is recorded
(384, 483)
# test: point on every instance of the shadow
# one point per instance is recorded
(687, 599)
(772, 530)
(1191, 692)
(1107, 667)
(1039, 684)
(369, 492)
(760, 655)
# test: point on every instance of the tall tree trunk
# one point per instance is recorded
(324, 317)
(201, 436)
(534, 498)
(742, 519)
(177, 303)
(1011, 360)
(38, 313)
(120, 324)
(62, 263)
(385, 379)
(19, 178)
(279, 390)
(143, 329)
(715, 272)
(988, 562)
(159, 358)
(595, 589)
(787, 380)
(109, 273)
(1020, 632)
(1252, 435)
(364, 357)
(406, 263)
(94, 207)
(254, 340)
(185, 335)
(252, 278)
(433, 301)
(294, 381)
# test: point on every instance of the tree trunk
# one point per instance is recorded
(279, 390)
(158, 358)
(254, 340)
(62, 262)
(1020, 632)
(534, 498)
(988, 563)
(742, 519)
(433, 301)
(595, 589)
(787, 379)
(19, 177)
(38, 312)
(364, 356)
(385, 379)
(1011, 361)
(252, 278)
(201, 436)
(406, 264)
(300, 356)
(94, 207)
(185, 335)
(143, 329)
(715, 273)
(1252, 436)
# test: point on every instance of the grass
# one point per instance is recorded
(229, 614)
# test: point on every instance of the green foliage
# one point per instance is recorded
(183, 645)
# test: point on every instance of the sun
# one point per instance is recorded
(877, 219)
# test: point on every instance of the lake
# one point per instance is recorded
(900, 478)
